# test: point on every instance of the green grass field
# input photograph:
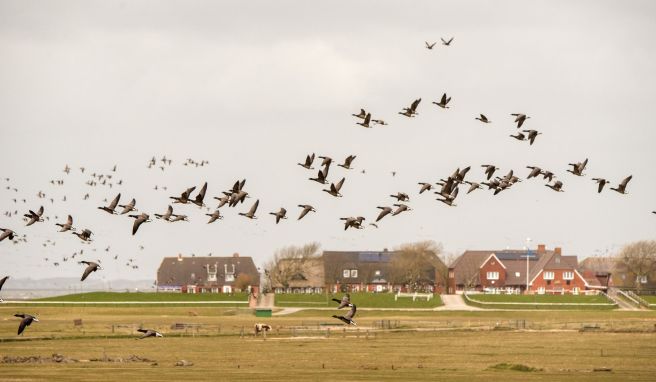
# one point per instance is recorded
(361, 299)
(146, 297)
(651, 299)
(423, 345)
(499, 301)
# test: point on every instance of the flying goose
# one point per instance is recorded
(321, 176)
(2, 282)
(366, 121)
(139, 220)
(578, 167)
(148, 333)
(66, 226)
(85, 235)
(602, 182)
(489, 170)
(557, 186)
(535, 172)
(355, 222)
(237, 197)
(223, 200)
(214, 216)
(326, 160)
(6, 233)
(344, 302)
(472, 186)
(532, 134)
(447, 43)
(91, 267)
(450, 198)
(348, 317)
(361, 115)
(308, 162)
(412, 110)
(306, 208)
(621, 188)
(26, 321)
(520, 118)
(443, 102)
(379, 122)
(347, 162)
(483, 119)
(201, 196)
(279, 215)
(251, 213)
(401, 207)
(128, 207)
(385, 211)
(184, 197)
(425, 187)
(401, 197)
(178, 218)
(34, 216)
(167, 215)
(429, 46)
(334, 188)
(519, 137)
(548, 175)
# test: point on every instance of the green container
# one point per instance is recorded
(262, 312)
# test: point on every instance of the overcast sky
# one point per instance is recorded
(254, 86)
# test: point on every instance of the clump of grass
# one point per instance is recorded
(514, 366)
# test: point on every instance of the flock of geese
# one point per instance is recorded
(446, 190)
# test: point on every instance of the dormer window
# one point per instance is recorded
(347, 273)
(229, 274)
(354, 273)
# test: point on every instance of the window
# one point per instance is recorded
(227, 289)
(377, 273)
(493, 275)
(379, 288)
(642, 279)
(229, 277)
(211, 277)
(517, 274)
(193, 275)
(548, 276)
(568, 275)
(354, 273)
(346, 274)
(541, 290)
(575, 291)
(451, 274)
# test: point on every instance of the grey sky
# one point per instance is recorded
(255, 86)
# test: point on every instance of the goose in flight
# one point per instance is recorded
(184, 197)
(112, 206)
(66, 226)
(91, 267)
(281, 214)
(519, 137)
(178, 218)
(385, 211)
(430, 46)
(535, 172)
(321, 176)
(2, 282)
(483, 119)
(344, 302)
(425, 187)
(557, 186)
(489, 170)
(128, 207)
(201, 196)
(621, 188)
(148, 333)
(548, 175)
(308, 162)
(327, 161)
(348, 317)
(347, 162)
(26, 321)
(520, 118)
(34, 216)
(412, 110)
(167, 215)
(334, 188)
(223, 200)
(355, 222)
(214, 216)
(400, 208)
(578, 167)
(446, 43)
(601, 182)
(306, 209)
(443, 102)
(361, 115)
(85, 235)
(366, 121)
(379, 122)
(450, 198)
(401, 197)
(251, 213)
(139, 220)
(6, 233)
(532, 134)
(472, 186)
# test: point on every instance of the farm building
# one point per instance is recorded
(208, 274)
(545, 271)
(615, 274)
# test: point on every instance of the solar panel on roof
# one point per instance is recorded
(516, 256)
(374, 256)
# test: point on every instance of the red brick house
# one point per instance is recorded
(208, 275)
(544, 271)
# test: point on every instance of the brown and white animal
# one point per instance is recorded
(262, 328)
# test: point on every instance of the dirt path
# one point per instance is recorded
(454, 302)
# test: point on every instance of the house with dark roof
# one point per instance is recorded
(208, 274)
(375, 271)
(516, 271)
(300, 277)
(608, 271)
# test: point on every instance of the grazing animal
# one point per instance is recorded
(261, 328)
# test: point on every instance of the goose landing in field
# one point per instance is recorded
(348, 317)
(148, 333)
(344, 302)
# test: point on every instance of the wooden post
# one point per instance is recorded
(367, 335)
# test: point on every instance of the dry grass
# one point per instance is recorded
(422, 351)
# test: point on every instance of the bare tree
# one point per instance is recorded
(417, 265)
(639, 261)
(288, 262)
(242, 281)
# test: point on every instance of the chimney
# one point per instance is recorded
(384, 249)
(558, 251)
(541, 249)
(235, 254)
(179, 257)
